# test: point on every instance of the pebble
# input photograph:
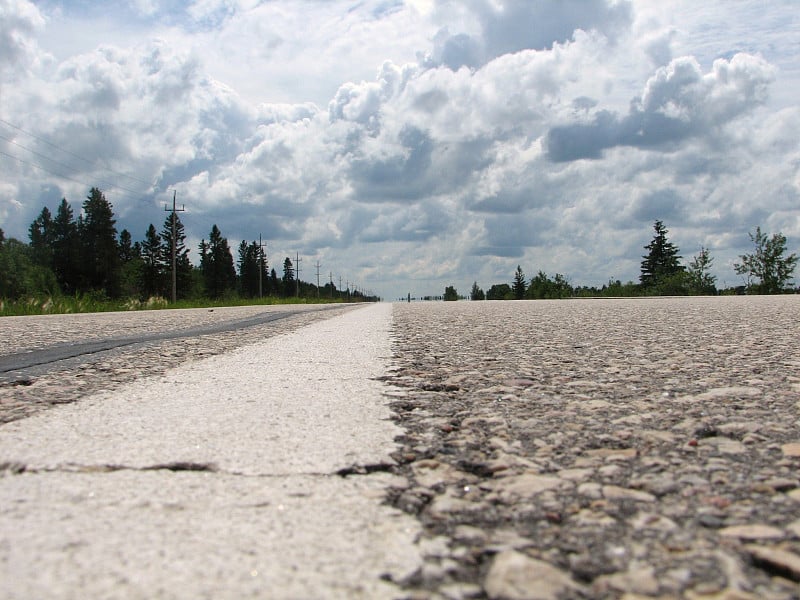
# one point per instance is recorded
(628, 449)
(515, 576)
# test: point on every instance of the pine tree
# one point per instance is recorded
(40, 233)
(216, 263)
(66, 249)
(152, 274)
(518, 287)
(98, 234)
(662, 261)
(477, 292)
(183, 266)
(288, 278)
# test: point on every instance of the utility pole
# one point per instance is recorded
(340, 286)
(297, 275)
(331, 276)
(317, 279)
(261, 247)
(174, 243)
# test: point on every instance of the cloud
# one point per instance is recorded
(20, 21)
(512, 139)
(515, 25)
(678, 102)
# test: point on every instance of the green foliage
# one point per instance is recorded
(20, 275)
(543, 287)
(476, 293)
(98, 236)
(183, 266)
(500, 291)
(152, 274)
(662, 263)
(288, 282)
(767, 269)
(216, 263)
(699, 279)
(518, 287)
(253, 270)
(450, 294)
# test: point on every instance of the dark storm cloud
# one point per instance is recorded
(517, 25)
(678, 103)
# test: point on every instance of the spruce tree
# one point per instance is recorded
(518, 286)
(288, 278)
(216, 263)
(152, 274)
(98, 234)
(662, 261)
(183, 266)
(66, 249)
(40, 233)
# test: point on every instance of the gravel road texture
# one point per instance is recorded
(642, 448)
(621, 449)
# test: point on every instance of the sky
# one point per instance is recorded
(405, 146)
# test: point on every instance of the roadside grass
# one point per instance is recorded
(88, 303)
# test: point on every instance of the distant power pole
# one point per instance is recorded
(317, 279)
(297, 275)
(174, 244)
(340, 286)
(261, 247)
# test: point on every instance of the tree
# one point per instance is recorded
(40, 233)
(98, 235)
(288, 277)
(519, 287)
(20, 275)
(66, 249)
(183, 266)
(216, 263)
(253, 274)
(153, 273)
(662, 261)
(701, 281)
(476, 293)
(450, 294)
(767, 265)
(274, 283)
(499, 291)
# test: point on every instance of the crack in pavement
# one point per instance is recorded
(18, 468)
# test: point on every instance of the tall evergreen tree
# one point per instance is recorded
(152, 274)
(662, 261)
(100, 255)
(477, 292)
(274, 283)
(216, 263)
(252, 270)
(183, 266)
(66, 249)
(518, 287)
(40, 233)
(288, 278)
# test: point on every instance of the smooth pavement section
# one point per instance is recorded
(217, 480)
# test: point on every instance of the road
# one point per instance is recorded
(221, 478)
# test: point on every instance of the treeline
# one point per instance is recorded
(85, 256)
(767, 270)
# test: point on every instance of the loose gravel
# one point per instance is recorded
(642, 448)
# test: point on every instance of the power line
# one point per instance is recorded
(66, 166)
(65, 151)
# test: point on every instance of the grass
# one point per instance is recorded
(92, 303)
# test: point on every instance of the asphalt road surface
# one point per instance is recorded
(233, 476)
